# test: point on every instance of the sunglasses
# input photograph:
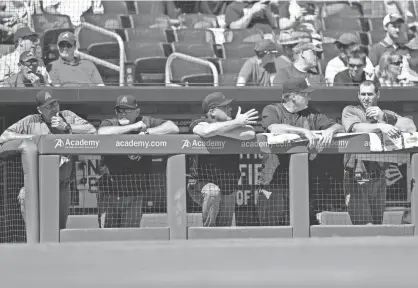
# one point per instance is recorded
(65, 45)
(397, 63)
(32, 38)
(355, 65)
(125, 110)
(30, 63)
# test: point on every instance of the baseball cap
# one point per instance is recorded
(126, 101)
(298, 85)
(303, 46)
(23, 32)
(27, 55)
(215, 99)
(391, 18)
(67, 37)
(265, 45)
(44, 98)
(348, 38)
(293, 37)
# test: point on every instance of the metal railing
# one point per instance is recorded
(121, 67)
(193, 60)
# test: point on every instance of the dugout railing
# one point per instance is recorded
(40, 158)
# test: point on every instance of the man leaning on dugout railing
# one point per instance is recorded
(50, 120)
(293, 116)
(365, 176)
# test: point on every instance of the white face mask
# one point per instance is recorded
(123, 122)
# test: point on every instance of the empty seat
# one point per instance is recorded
(135, 50)
(228, 79)
(194, 36)
(117, 7)
(342, 24)
(377, 35)
(194, 49)
(156, 8)
(146, 35)
(108, 21)
(330, 50)
(46, 21)
(376, 24)
(242, 50)
(86, 37)
(104, 50)
(374, 8)
(232, 66)
(192, 20)
(183, 71)
(243, 35)
(150, 21)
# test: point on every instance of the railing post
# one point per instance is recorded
(49, 198)
(176, 196)
(414, 193)
(299, 194)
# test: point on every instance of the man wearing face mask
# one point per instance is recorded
(293, 116)
(28, 76)
(260, 69)
(50, 120)
(69, 70)
(119, 201)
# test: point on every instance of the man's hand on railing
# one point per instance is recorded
(326, 137)
(390, 130)
(312, 138)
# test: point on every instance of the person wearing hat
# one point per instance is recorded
(346, 43)
(28, 76)
(69, 70)
(259, 70)
(119, 201)
(305, 61)
(50, 120)
(293, 116)
(215, 177)
(393, 25)
(366, 177)
(288, 40)
(25, 40)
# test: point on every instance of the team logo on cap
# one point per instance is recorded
(47, 96)
(124, 100)
(65, 35)
(307, 82)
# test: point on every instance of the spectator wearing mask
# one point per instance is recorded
(25, 40)
(248, 14)
(346, 43)
(69, 70)
(259, 70)
(390, 70)
(28, 76)
(410, 60)
(355, 73)
(305, 60)
(392, 24)
(73, 9)
(288, 40)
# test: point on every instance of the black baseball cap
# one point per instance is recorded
(67, 36)
(44, 98)
(297, 85)
(27, 55)
(126, 101)
(214, 100)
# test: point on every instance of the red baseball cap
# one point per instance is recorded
(297, 85)
(44, 98)
(126, 101)
(214, 100)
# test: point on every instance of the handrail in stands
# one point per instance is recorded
(121, 67)
(191, 59)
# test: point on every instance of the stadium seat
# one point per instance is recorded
(330, 50)
(342, 24)
(377, 35)
(232, 66)
(243, 35)
(193, 19)
(374, 9)
(194, 49)
(194, 36)
(86, 37)
(153, 7)
(108, 21)
(228, 79)
(135, 50)
(242, 50)
(43, 22)
(376, 24)
(117, 7)
(104, 50)
(146, 35)
(150, 21)
(183, 71)
(322, 65)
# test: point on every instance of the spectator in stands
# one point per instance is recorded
(291, 116)
(297, 15)
(305, 60)
(346, 43)
(218, 175)
(355, 73)
(410, 59)
(248, 14)
(119, 201)
(72, 9)
(69, 70)
(288, 40)
(364, 177)
(392, 24)
(51, 120)
(14, 12)
(28, 76)
(259, 70)
(390, 70)
(25, 40)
